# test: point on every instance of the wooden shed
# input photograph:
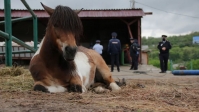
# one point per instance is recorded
(98, 24)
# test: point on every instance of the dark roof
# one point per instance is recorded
(84, 13)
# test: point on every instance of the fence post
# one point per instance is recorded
(191, 65)
(35, 32)
(171, 65)
(8, 29)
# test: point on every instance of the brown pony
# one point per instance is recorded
(59, 65)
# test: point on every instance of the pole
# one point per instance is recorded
(18, 19)
(8, 29)
(29, 9)
(191, 65)
(171, 65)
(4, 35)
(16, 40)
(35, 27)
(35, 33)
(18, 52)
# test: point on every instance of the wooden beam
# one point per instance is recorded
(129, 30)
(139, 39)
(132, 22)
(128, 26)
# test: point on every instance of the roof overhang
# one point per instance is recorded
(115, 13)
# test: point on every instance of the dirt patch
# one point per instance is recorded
(176, 95)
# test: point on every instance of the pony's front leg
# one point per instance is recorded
(75, 84)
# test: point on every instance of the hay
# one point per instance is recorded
(12, 71)
(138, 95)
(15, 79)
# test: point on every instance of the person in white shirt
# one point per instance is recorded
(97, 47)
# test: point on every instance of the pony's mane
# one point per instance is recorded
(65, 18)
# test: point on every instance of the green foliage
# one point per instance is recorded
(180, 41)
(183, 51)
(154, 62)
(195, 64)
(154, 54)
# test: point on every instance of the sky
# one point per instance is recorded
(166, 18)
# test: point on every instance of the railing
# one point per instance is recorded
(7, 35)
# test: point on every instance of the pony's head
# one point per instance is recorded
(64, 29)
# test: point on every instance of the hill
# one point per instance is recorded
(180, 41)
(183, 51)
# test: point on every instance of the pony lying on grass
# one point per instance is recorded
(59, 65)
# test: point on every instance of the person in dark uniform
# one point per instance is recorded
(134, 52)
(114, 49)
(164, 46)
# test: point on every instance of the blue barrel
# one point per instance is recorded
(185, 72)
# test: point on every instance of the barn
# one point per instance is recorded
(97, 23)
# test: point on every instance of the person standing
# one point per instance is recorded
(97, 47)
(114, 49)
(164, 46)
(134, 52)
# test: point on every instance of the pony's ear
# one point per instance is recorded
(78, 11)
(47, 9)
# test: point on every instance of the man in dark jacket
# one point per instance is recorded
(164, 46)
(114, 49)
(134, 52)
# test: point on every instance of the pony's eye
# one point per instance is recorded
(57, 32)
(55, 25)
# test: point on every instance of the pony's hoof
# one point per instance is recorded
(114, 87)
(75, 88)
(40, 88)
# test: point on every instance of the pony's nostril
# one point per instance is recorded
(71, 50)
(67, 48)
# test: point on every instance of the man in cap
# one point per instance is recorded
(97, 47)
(164, 46)
(134, 52)
(114, 49)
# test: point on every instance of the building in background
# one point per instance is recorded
(98, 25)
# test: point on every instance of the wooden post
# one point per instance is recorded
(128, 26)
(139, 40)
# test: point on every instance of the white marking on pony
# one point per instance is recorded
(59, 42)
(64, 45)
(114, 86)
(84, 88)
(83, 68)
(38, 50)
(55, 89)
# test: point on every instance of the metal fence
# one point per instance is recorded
(7, 35)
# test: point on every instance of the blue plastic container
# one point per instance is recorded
(185, 72)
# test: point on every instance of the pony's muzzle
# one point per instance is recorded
(70, 52)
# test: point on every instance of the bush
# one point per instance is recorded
(195, 64)
(154, 62)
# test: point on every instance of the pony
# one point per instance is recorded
(59, 65)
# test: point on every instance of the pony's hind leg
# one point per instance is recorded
(104, 75)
